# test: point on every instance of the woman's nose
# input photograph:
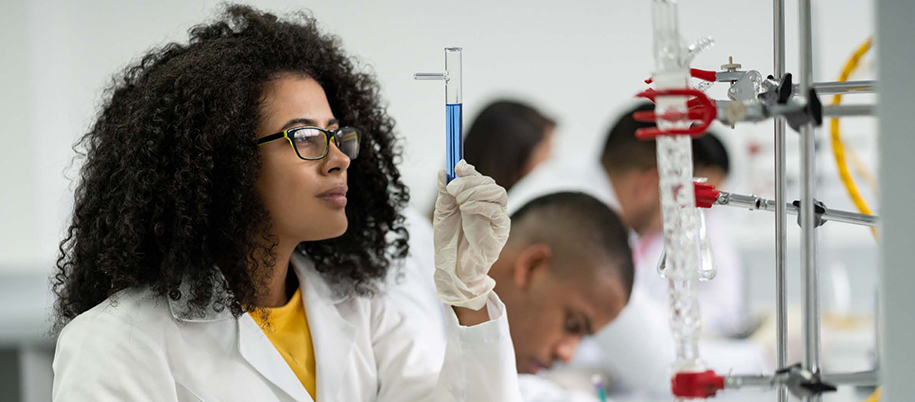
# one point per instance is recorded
(336, 159)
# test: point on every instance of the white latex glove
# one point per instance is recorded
(471, 225)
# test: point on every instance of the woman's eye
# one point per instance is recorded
(307, 140)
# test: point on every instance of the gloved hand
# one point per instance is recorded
(471, 225)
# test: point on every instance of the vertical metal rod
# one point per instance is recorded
(808, 192)
(781, 210)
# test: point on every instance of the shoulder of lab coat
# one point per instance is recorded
(136, 346)
(102, 356)
(554, 176)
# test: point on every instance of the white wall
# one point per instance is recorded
(579, 61)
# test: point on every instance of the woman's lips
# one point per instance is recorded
(335, 196)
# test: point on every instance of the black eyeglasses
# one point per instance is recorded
(312, 143)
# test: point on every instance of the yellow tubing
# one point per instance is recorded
(875, 397)
(838, 147)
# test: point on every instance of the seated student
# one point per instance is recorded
(565, 272)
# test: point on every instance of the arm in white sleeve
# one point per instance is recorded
(479, 362)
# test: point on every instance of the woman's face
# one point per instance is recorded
(306, 200)
(540, 153)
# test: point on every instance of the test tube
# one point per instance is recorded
(454, 143)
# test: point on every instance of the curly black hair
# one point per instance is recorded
(166, 193)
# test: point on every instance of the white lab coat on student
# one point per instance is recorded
(140, 347)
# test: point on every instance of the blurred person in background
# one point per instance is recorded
(507, 140)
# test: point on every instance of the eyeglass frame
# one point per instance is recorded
(328, 134)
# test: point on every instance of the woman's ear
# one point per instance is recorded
(531, 265)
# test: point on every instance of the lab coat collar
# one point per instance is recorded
(332, 335)
(333, 338)
(305, 270)
(259, 352)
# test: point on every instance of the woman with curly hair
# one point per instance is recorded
(238, 205)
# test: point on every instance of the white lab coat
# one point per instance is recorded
(411, 290)
(140, 347)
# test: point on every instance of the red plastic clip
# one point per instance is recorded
(706, 195)
(704, 75)
(701, 110)
(696, 385)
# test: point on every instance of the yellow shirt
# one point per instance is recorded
(291, 337)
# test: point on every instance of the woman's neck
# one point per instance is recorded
(278, 287)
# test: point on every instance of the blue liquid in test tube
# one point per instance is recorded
(454, 143)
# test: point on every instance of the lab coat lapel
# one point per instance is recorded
(333, 336)
(257, 349)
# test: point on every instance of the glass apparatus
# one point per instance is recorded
(675, 169)
(454, 147)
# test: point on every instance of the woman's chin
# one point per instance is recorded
(336, 229)
(328, 229)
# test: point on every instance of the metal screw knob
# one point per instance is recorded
(731, 66)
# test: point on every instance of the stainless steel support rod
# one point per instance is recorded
(781, 212)
(755, 203)
(871, 377)
(849, 110)
(770, 381)
(809, 280)
(842, 87)
(752, 381)
(851, 217)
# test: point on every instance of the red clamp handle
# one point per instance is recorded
(706, 195)
(701, 110)
(696, 385)
(704, 75)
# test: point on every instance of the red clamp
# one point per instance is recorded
(704, 75)
(696, 385)
(706, 195)
(701, 110)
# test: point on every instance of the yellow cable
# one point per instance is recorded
(875, 397)
(861, 169)
(837, 147)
